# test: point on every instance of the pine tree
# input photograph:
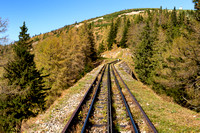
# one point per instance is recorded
(101, 48)
(149, 15)
(155, 31)
(181, 18)
(143, 55)
(25, 94)
(123, 42)
(160, 10)
(169, 33)
(138, 19)
(116, 26)
(93, 53)
(174, 17)
(112, 34)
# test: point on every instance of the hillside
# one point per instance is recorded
(72, 46)
(160, 46)
(168, 40)
(166, 115)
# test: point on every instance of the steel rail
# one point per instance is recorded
(148, 121)
(126, 105)
(91, 106)
(109, 103)
(75, 113)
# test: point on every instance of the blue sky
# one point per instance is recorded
(45, 15)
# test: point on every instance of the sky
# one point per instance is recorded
(42, 16)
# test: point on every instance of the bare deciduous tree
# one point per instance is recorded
(3, 28)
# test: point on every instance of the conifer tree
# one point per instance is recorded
(93, 53)
(138, 19)
(170, 32)
(123, 42)
(155, 31)
(181, 17)
(112, 34)
(101, 48)
(143, 54)
(160, 10)
(174, 17)
(25, 94)
(149, 15)
(166, 13)
(116, 26)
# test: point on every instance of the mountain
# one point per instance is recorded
(164, 44)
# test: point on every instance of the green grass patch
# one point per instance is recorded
(167, 116)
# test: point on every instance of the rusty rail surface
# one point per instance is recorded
(96, 85)
(149, 123)
(109, 103)
(92, 104)
(75, 113)
(133, 125)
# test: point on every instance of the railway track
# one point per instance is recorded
(140, 117)
(109, 106)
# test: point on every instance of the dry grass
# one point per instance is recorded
(166, 115)
(66, 94)
(1, 71)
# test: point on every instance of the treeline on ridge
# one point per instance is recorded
(165, 44)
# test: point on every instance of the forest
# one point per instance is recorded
(165, 46)
(166, 53)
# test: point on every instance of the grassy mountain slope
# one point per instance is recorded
(72, 46)
(173, 46)
(166, 115)
(170, 47)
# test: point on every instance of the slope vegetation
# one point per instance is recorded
(166, 115)
(163, 52)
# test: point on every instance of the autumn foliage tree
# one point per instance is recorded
(66, 58)
(197, 7)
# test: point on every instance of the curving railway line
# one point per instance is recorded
(109, 106)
